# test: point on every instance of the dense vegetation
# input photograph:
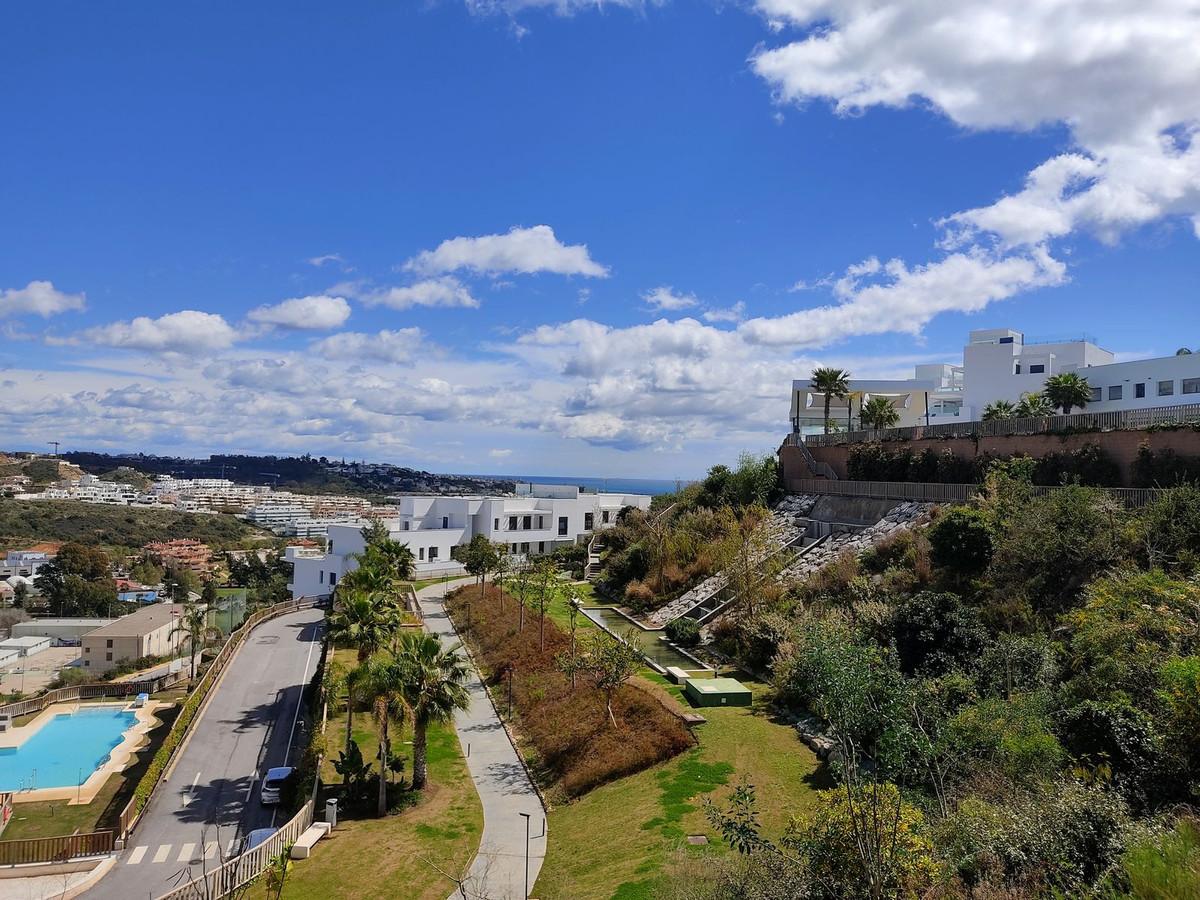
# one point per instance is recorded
(1014, 698)
(23, 522)
(578, 738)
(1089, 465)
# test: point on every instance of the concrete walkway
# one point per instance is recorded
(498, 872)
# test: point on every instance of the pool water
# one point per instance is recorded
(650, 643)
(66, 750)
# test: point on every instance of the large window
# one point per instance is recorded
(512, 523)
(1139, 390)
(1037, 369)
(588, 521)
(527, 522)
(1116, 392)
(1166, 388)
(445, 521)
(562, 526)
(432, 553)
(1191, 386)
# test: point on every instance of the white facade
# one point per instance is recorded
(537, 520)
(999, 364)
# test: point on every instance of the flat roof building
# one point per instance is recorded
(147, 632)
(67, 631)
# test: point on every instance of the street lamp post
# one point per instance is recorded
(525, 816)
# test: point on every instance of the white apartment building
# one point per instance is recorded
(539, 518)
(999, 364)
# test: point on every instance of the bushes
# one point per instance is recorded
(1166, 866)
(684, 631)
(1164, 468)
(1088, 465)
(570, 741)
(961, 541)
(935, 633)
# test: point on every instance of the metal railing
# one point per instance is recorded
(1122, 420)
(931, 492)
(55, 849)
(91, 692)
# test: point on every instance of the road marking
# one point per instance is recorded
(136, 856)
(162, 853)
(250, 790)
(296, 717)
(229, 849)
(185, 852)
(210, 849)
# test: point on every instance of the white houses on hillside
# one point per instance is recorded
(538, 519)
(998, 364)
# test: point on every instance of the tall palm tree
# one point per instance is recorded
(832, 383)
(878, 412)
(998, 409)
(368, 623)
(193, 624)
(1067, 390)
(383, 680)
(433, 689)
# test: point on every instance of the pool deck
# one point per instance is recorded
(118, 758)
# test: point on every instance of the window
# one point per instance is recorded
(406, 524)
(332, 578)
(445, 521)
(108, 657)
(541, 522)
(108, 643)
(87, 649)
(589, 520)
(1097, 395)
(321, 577)
(331, 546)
(526, 522)
(562, 526)
(1191, 386)
(1115, 392)
(525, 547)
(432, 553)
(604, 517)
(1139, 390)
(514, 548)
(87, 662)
(421, 553)
(1037, 369)
(1006, 340)
(1166, 388)
(541, 546)
(1017, 369)
(512, 523)
(496, 525)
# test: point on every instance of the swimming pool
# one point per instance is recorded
(66, 750)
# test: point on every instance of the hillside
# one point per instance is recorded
(23, 522)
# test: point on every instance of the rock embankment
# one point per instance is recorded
(906, 515)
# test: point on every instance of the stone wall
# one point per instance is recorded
(1122, 446)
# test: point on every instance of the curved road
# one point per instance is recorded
(499, 869)
(210, 802)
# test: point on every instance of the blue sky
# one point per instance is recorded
(562, 236)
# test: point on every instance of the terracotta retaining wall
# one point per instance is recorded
(1122, 446)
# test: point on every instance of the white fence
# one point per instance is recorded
(1125, 420)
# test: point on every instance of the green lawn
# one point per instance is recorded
(614, 841)
(394, 856)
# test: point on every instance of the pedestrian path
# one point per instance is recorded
(513, 844)
(188, 852)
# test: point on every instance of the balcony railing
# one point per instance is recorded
(1122, 420)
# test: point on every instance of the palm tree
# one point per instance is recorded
(832, 383)
(878, 412)
(194, 624)
(433, 689)
(1067, 390)
(366, 622)
(998, 409)
(1034, 406)
(383, 680)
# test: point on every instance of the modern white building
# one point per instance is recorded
(539, 518)
(999, 364)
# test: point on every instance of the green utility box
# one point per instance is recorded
(717, 692)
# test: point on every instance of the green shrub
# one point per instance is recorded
(684, 631)
(1166, 866)
(936, 632)
(961, 541)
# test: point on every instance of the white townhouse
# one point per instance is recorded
(1000, 364)
(536, 520)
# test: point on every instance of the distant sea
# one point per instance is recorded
(613, 485)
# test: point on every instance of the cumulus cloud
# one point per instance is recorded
(314, 313)
(398, 346)
(38, 298)
(499, 453)
(1125, 79)
(666, 299)
(188, 331)
(444, 291)
(733, 313)
(522, 251)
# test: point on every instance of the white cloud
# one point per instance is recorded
(38, 298)
(398, 346)
(1124, 77)
(444, 291)
(892, 297)
(666, 299)
(522, 251)
(314, 313)
(188, 331)
(733, 313)
(319, 261)
(561, 7)
(499, 453)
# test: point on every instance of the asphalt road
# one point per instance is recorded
(210, 802)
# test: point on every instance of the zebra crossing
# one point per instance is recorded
(189, 852)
